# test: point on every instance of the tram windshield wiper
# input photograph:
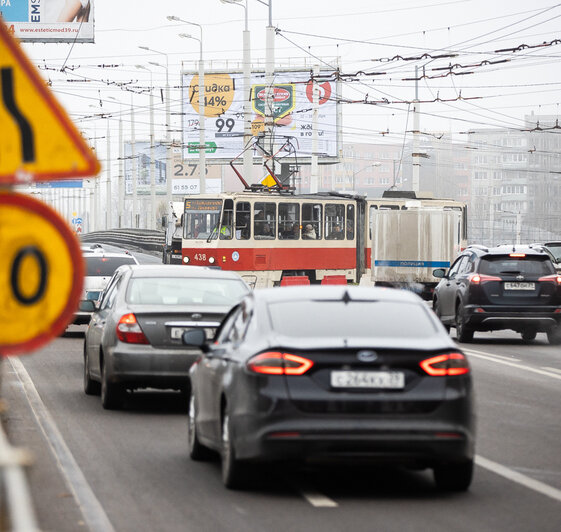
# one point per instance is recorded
(214, 230)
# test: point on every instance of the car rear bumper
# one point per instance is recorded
(145, 366)
(420, 440)
(494, 317)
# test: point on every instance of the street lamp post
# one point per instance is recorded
(152, 223)
(168, 124)
(202, 144)
(247, 136)
(371, 165)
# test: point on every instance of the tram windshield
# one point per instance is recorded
(202, 218)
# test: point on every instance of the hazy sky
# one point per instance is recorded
(366, 35)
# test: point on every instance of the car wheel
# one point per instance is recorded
(197, 451)
(112, 395)
(438, 312)
(234, 472)
(463, 333)
(454, 477)
(91, 387)
(554, 335)
(529, 335)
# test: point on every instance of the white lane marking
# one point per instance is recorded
(319, 500)
(94, 515)
(488, 356)
(509, 359)
(519, 478)
(552, 369)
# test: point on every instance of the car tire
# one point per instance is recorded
(554, 335)
(197, 451)
(91, 387)
(112, 395)
(529, 334)
(454, 477)
(234, 472)
(438, 312)
(463, 333)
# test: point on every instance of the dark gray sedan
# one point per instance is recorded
(134, 337)
(329, 373)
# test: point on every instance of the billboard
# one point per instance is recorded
(293, 113)
(49, 20)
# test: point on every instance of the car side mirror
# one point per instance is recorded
(195, 338)
(87, 305)
(439, 273)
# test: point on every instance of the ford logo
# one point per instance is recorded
(367, 356)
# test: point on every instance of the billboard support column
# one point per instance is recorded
(314, 178)
(248, 153)
(202, 145)
(108, 209)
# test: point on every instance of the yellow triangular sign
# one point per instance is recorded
(268, 181)
(38, 141)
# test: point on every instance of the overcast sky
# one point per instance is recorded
(365, 35)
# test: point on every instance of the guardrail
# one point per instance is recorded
(146, 240)
(16, 509)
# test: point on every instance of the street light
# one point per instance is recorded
(202, 143)
(247, 136)
(362, 169)
(168, 123)
(152, 223)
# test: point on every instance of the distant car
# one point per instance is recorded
(555, 249)
(506, 287)
(325, 373)
(99, 267)
(134, 336)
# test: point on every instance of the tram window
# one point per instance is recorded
(227, 227)
(202, 218)
(265, 220)
(311, 216)
(350, 222)
(371, 220)
(289, 221)
(334, 222)
(243, 217)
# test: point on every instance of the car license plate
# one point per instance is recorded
(176, 333)
(367, 379)
(520, 286)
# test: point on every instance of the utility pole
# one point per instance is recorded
(134, 175)
(415, 156)
(108, 184)
(269, 80)
(314, 177)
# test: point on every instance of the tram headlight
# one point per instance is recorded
(186, 260)
(211, 260)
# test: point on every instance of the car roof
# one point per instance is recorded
(180, 270)
(334, 292)
(507, 249)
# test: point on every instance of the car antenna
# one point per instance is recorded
(346, 297)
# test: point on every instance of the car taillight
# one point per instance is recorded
(129, 331)
(275, 363)
(552, 279)
(477, 278)
(446, 365)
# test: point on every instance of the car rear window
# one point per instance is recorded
(359, 319)
(185, 291)
(105, 266)
(506, 265)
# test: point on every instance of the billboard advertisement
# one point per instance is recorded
(142, 157)
(293, 113)
(49, 20)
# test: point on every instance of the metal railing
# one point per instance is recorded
(16, 508)
(141, 239)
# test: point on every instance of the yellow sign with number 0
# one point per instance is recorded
(41, 274)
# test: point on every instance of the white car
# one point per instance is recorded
(99, 267)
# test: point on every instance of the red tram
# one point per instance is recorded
(265, 236)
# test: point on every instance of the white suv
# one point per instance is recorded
(99, 267)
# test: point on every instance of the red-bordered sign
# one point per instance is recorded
(41, 274)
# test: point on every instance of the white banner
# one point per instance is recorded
(224, 106)
(49, 20)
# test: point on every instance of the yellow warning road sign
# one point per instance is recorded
(38, 141)
(41, 274)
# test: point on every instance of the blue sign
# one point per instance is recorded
(70, 183)
(412, 263)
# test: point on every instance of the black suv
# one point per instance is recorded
(506, 287)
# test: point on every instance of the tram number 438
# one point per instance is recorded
(26, 256)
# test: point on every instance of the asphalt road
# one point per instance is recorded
(129, 470)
